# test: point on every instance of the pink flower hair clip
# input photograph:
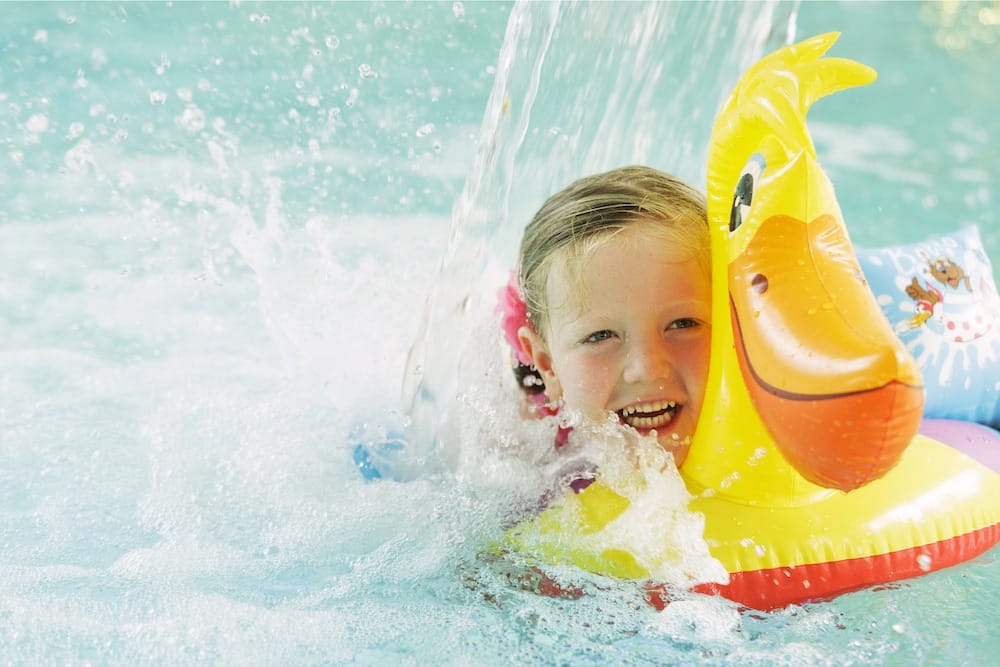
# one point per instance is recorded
(514, 315)
(514, 312)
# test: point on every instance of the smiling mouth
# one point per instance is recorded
(649, 415)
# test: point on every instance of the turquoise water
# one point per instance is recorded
(220, 230)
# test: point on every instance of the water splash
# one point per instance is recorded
(579, 89)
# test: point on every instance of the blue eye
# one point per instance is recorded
(684, 323)
(599, 336)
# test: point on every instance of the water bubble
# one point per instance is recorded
(37, 123)
(157, 97)
(365, 71)
(331, 42)
(98, 58)
(80, 156)
(218, 155)
(163, 65)
(458, 9)
(191, 119)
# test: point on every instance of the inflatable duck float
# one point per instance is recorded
(807, 463)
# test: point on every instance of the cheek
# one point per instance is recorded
(695, 369)
(587, 381)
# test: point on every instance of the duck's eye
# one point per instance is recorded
(743, 194)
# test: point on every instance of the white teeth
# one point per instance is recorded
(660, 413)
(648, 408)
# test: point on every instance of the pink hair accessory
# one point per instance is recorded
(510, 304)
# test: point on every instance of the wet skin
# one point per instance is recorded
(629, 333)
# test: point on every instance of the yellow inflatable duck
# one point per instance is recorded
(806, 464)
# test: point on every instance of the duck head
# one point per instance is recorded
(809, 388)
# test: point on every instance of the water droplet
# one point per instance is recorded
(924, 562)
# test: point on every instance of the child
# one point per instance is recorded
(615, 277)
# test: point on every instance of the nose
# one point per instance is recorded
(647, 359)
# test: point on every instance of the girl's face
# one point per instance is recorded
(632, 336)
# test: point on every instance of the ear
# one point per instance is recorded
(541, 359)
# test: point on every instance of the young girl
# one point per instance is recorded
(615, 276)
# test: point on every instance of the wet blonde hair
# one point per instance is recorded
(572, 223)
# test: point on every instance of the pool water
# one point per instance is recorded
(238, 240)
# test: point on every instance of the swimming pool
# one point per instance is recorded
(221, 224)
